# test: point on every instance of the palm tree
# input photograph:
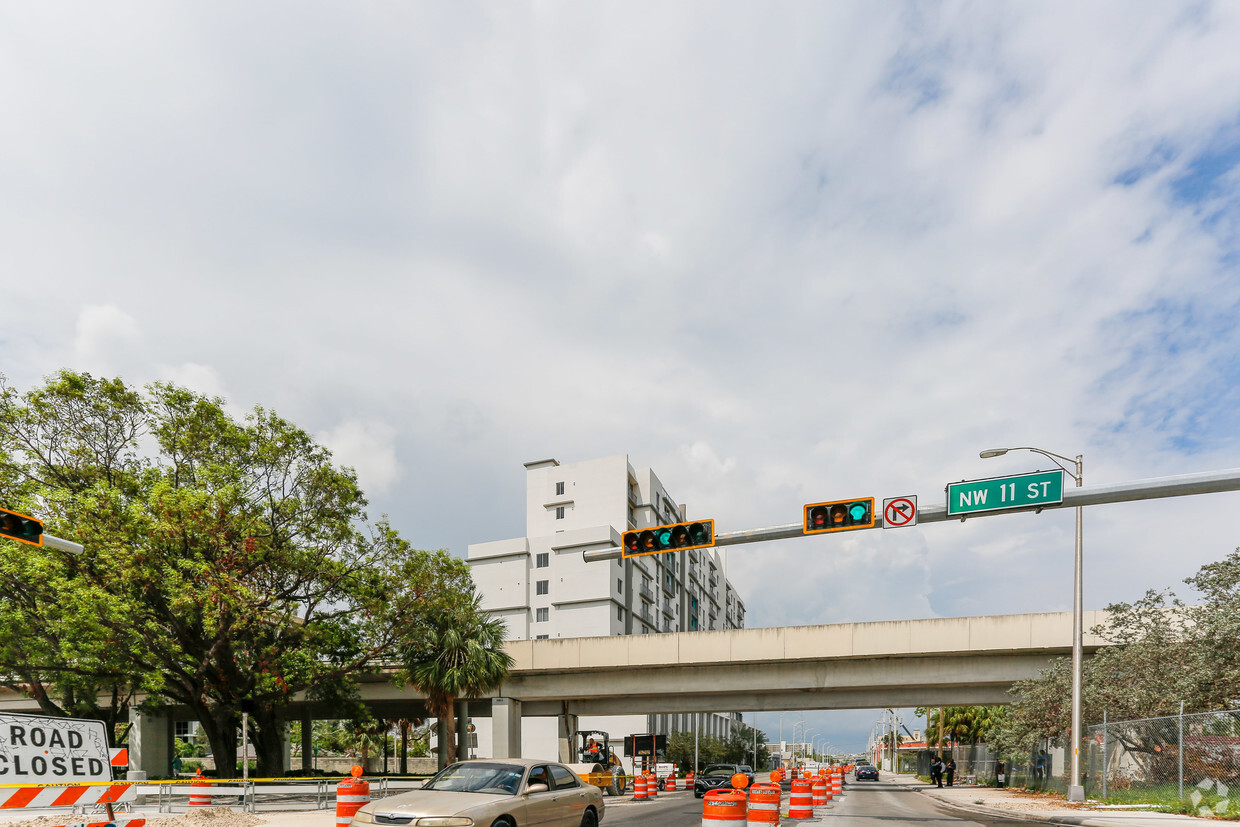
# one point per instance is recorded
(459, 655)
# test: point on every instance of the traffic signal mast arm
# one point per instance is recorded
(1183, 485)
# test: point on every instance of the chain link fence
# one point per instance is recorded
(1191, 761)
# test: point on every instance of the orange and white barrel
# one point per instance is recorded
(818, 791)
(652, 785)
(671, 782)
(720, 807)
(639, 788)
(801, 801)
(764, 800)
(837, 784)
(351, 794)
(199, 791)
(689, 779)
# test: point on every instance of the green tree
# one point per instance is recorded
(230, 564)
(960, 724)
(457, 653)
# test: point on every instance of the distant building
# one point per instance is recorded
(541, 586)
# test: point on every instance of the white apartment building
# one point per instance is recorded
(541, 586)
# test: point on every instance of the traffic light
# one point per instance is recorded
(839, 515)
(675, 537)
(21, 528)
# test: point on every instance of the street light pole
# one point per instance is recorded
(1076, 791)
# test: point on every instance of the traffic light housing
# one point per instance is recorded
(21, 528)
(839, 515)
(674, 537)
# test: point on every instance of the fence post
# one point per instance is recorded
(1104, 755)
(1181, 750)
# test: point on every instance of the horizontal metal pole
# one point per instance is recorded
(1183, 485)
(63, 545)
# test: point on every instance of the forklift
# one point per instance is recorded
(598, 764)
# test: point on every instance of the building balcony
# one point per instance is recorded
(714, 582)
(646, 593)
(667, 609)
(644, 614)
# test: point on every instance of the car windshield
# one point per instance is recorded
(720, 769)
(504, 779)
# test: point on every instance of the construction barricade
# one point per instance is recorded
(351, 794)
(801, 800)
(764, 801)
(818, 791)
(720, 807)
(639, 788)
(837, 785)
(671, 782)
(652, 785)
(199, 791)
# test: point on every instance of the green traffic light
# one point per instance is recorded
(857, 511)
(664, 538)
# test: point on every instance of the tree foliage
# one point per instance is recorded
(737, 748)
(229, 565)
(1161, 652)
(960, 724)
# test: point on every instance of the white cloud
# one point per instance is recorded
(780, 254)
(370, 449)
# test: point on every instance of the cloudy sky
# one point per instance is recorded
(779, 252)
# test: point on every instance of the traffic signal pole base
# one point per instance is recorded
(1076, 792)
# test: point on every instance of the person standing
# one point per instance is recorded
(936, 771)
(951, 770)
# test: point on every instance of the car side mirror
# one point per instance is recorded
(536, 788)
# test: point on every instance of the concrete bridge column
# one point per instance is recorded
(506, 727)
(568, 735)
(307, 741)
(150, 745)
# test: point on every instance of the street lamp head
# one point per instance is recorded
(993, 452)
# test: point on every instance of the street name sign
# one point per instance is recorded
(1003, 493)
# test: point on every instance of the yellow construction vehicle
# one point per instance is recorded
(597, 762)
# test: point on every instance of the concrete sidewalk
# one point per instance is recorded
(1028, 806)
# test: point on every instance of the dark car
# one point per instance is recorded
(866, 771)
(718, 777)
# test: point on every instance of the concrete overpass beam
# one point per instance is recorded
(506, 727)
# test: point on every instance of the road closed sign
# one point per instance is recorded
(52, 750)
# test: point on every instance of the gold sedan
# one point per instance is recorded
(500, 792)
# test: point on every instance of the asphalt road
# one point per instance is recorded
(865, 804)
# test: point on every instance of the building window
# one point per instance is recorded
(693, 623)
(619, 613)
(559, 489)
(542, 586)
(619, 586)
(541, 615)
(544, 637)
(543, 560)
(559, 512)
(645, 631)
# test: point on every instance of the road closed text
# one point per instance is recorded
(36, 748)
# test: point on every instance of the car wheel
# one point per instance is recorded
(697, 794)
(589, 819)
(618, 781)
(501, 822)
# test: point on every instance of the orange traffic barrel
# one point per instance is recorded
(818, 791)
(671, 782)
(652, 785)
(351, 794)
(764, 799)
(723, 807)
(801, 801)
(689, 778)
(639, 788)
(837, 784)
(199, 791)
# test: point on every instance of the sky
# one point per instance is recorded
(780, 252)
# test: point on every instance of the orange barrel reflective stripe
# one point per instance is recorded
(689, 779)
(721, 807)
(652, 785)
(801, 801)
(671, 782)
(197, 797)
(351, 794)
(764, 801)
(639, 788)
(837, 784)
(818, 791)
